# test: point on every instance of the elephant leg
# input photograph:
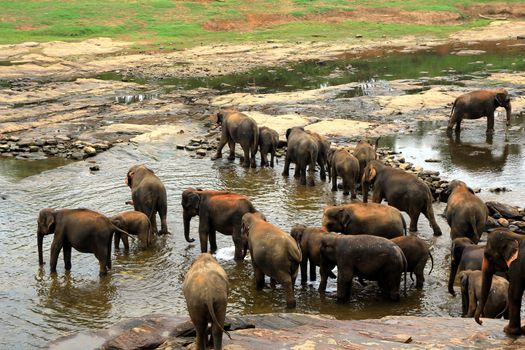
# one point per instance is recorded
(163, 213)
(455, 119)
(472, 301)
(414, 217)
(221, 145)
(246, 160)
(304, 270)
(515, 295)
(346, 186)
(352, 188)
(203, 238)
(102, 262)
(297, 172)
(490, 122)
(429, 214)
(212, 236)
(239, 245)
(322, 172)
(272, 158)
(252, 156)
(264, 158)
(125, 240)
(273, 283)
(334, 180)
(67, 255)
(56, 246)
(259, 278)
(153, 221)
(286, 170)
(286, 281)
(216, 330)
(313, 275)
(419, 271)
(344, 285)
(201, 328)
(116, 240)
(231, 146)
(311, 174)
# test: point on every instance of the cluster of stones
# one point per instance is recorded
(57, 146)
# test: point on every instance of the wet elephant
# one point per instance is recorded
(346, 166)
(149, 195)
(364, 218)
(365, 256)
(477, 104)
(323, 148)
(504, 252)
(218, 211)
(238, 128)
(465, 212)
(206, 290)
(268, 143)
(302, 150)
(497, 303)
(417, 253)
(402, 190)
(85, 230)
(464, 255)
(364, 151)
(274, 253)
(135, 223)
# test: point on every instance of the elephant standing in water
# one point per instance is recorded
(417, 253)
(302, 150)
(464, 255)
(238, 128)
(218, 211)
(497, 303)
(477, 104)
(85, 230)
(148, 195)
(135, 223)
(365, 152)
(402, 190)
(206, 290)
(323, 148)
(268, 143)
(346, 166)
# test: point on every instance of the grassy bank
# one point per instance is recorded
(175, 24)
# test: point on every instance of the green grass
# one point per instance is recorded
(180, 23)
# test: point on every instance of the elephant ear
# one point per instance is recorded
(288, 131)
(220, 117)
(345, 219)
(510, 251)
(47, 220)
(371, 173)
(501, 98)
(297, 232)
(463, 280)
(129, 177)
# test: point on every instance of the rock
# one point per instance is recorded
(503, 222)
(51, 142)
(4, 148)
(94, 168)
(90, 151)
(34, 148)
(401, 159)
(62, 138)
(405, 166)
(40, 143)
(418, 168)
(513, 227)
(190, 148)
(520, 224)
(491, 223)
(179, 146)
(13, 138)
(25, 143)
(77, 155)
(505, 210)
(431, 160)
(499, 189)
(201, 152)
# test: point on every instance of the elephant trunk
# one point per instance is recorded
(40, 240)
(508, 109)
(486, 282)
(365, 186)
(187, 218)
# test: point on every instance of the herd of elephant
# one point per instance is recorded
(349, 235)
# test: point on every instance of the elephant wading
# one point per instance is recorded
(135, 223)
(85, 230)
(365, 256)
(497, 303)
(302, 150)
(464, 255)
(274, 253)
(417, 253)
(346, 166)
(309, 240)
(206, 291)
(218, 211)
(148, 195)
(365, 152)
(364, 218)
(268, 143)
(466, 213)
(323, 148)
(477, 104)
(402, 190)
(238, 128)
(504, 252)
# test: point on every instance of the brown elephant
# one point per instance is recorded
(238, 128)
(402, 190)
(135, 223)
(365, 256)
(323, 148)
(417, 253)
(302, 150)
(206, 290)
(497, 303)
(465, 212)
(464, 255)
(268, 143)
(85, 230)
(365, 152)
(477, 104)
(218, 211)
(274, 253)
(309, 240)
(148, 195)
(364, 218)
(346, 166)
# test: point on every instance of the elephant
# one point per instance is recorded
(268, 143)
(135, 223)
(402, 190)
(309, 240)
(302, 150)
(323, 148)
(85, 230)
(148, 196)
(274, 253)
(504, 252)
(497, 303)
(206, 290)
(477, 104)
(366, 256)
(364, 218)
(464, 255)
(346, 166)
(218, 211)
(238, 128)
(417, 253)
(365, 152)
(465, 212)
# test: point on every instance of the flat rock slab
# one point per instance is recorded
(299, 331)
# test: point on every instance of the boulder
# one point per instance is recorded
(505, 210)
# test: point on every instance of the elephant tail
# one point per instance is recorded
(453, 107)
(502, 313)
(114, 225)
(209, 304)
(404, 224)
(474, 226)
(405, 268)
(294, 252)
(432, 261)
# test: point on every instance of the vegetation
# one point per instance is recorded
(179, 23)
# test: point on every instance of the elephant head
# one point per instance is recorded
(454, 185)
(502, 99)
(289, 130)
(328, 253)
(501, 250)
(336, 219)
(136, 173)
(190, 204)
(46, 226)
(369, 177)
(297, 232)
(247, 223)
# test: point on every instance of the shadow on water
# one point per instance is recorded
(19, 168)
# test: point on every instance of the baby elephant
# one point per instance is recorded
(206, 291)
(497, 302)
(464, 255)
(309, 240)
(274, 253)
(268, 142)
(346, 166)
(417, 253)
(135, 223)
